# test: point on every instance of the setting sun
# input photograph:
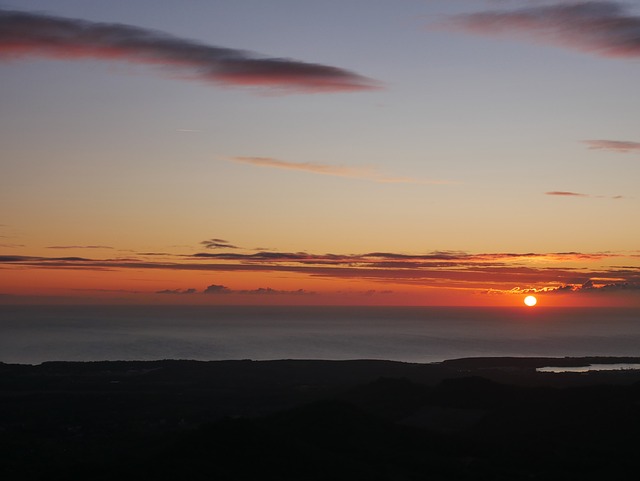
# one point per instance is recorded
(530, 301)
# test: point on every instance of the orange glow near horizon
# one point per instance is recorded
(175, 185)
(181, 284)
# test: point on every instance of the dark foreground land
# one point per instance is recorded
(469, 419)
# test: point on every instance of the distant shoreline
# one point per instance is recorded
(477, 362)
(250, 374)
(309, 374)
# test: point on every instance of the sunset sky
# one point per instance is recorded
(413, 152)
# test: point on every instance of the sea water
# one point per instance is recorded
(624, 366)
(34, 334)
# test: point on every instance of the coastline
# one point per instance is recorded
(308, 372)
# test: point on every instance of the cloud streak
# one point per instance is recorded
(459, 270)
(566, 193)
(601, 28)
(24, 34)
(177, 291)
(591, 285)
(217, 289)
(622, 146)
(217, 244)
(327, 169)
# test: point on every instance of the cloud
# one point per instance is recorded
(613, 145)
(327, 169)
(615, 287)
(177, 291)
(268, 292)
(601, 28)
(375, 292)
(298, 261)
(9, 259)
(436, 258)
(563, 193)
(598, 286)
(24, 34)
(217, 244)
(44, 261)
(121, 291)
(620, 281)
(219, 289)
(259, 256)
(436, 269)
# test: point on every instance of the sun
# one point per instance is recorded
(530, 301)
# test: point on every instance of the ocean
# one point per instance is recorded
(34, 334)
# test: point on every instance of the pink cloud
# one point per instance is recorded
(564, 193)
(613, 145)
(24, 34)
(327, 169)
(601, 28)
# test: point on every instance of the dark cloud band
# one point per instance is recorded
(602, 28)
(262, 291)
(25, 34)
(439, 268)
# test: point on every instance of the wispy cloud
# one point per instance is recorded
(564, 193)
(24, 34)
(333, 170)
(602, 28)
(178, 291)
(35, 259)
(591, 285)
(217, 244)
(271, 259)
(437, 269)
(118, 291)
(613, 145)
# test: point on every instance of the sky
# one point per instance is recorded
(352, 152)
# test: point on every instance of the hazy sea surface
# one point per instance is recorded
(34, 334)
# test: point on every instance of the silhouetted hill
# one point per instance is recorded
(283, 420)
